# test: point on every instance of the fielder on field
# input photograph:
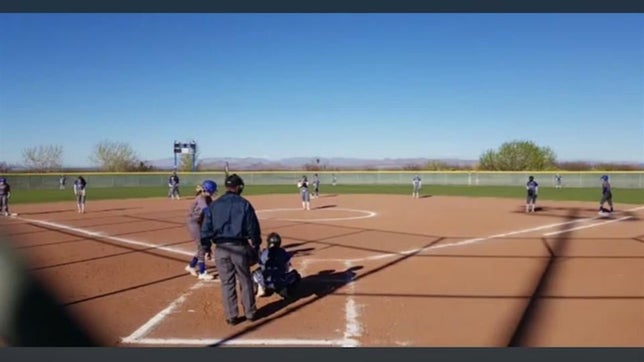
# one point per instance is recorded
(303, 185)
(203, 198)
(80, 191)
(557, 181)
(5, 195)
(532, 188)
(316, 186)
(173, 185)
(418, 184)
(607, 196)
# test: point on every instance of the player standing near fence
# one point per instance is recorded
(418, 184)
(607, 196)
(5, 195)
(80, 191)
(532, 188)
(173, 185)
(316, 186)
(303, 185)
(557, 181)
(203, 198)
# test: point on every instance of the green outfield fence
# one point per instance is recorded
(622, 179)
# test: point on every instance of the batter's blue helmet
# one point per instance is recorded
(2, 180)
(209, 186)
(604, 177)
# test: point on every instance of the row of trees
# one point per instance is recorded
(113, 156)
(108, 156)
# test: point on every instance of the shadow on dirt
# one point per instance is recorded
(324, 207)
(301, 252)
(580, 213)
(319, 285)
(556, 246)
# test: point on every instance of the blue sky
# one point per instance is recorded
(328, 85)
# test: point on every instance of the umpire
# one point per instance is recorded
(230, 223)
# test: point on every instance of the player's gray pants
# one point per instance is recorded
(233, 262)
(285, 281)
(607, 198)
(4, 204)
(305, 196)
(80, 199)
(531, 199)
(195, 232)
(174, 191)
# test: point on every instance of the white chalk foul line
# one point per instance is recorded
(352, 328)
(101, 235)
(367, 214)
(146, 328)
(363, 259)
(466, 242)
(245, 342)
(587, 226)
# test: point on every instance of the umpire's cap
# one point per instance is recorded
(234, 180)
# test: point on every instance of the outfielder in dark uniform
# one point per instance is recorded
(275, 272)
(5, 195)
(230, 222)
(316, 186)
(607, 196)
(173, 185)
(532, 188)
(203, 198)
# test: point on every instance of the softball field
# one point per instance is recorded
(378, 270)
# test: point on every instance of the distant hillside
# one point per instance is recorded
(301, 162)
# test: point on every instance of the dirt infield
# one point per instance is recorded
(378, 271)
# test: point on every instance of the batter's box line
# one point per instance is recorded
(139, 337)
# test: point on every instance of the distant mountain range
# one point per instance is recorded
(252, 163)
(300, 163)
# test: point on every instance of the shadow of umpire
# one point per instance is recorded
(321, 284)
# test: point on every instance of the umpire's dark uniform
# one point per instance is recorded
(230, 222)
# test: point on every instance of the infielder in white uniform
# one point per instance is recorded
(417, 183)
(303, 185)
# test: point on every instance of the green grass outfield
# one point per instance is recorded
(626, 196)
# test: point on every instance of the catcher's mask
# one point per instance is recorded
(274, 240)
